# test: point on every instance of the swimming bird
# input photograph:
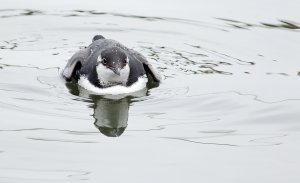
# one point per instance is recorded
(107, 63)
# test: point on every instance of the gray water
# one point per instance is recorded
(226, 111)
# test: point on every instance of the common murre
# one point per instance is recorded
(107, 66)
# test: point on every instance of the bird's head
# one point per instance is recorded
(112, 66)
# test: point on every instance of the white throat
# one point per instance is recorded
(108, 78)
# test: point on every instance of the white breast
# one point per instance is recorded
(107, 77)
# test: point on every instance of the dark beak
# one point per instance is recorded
(116, 71)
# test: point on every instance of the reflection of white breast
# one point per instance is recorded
(114, 90)
(108, 78)
(111, 113)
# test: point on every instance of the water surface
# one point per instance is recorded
(226, 111)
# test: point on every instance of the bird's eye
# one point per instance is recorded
(104, 61)
(126, 61)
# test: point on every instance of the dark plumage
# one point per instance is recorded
(114, 56)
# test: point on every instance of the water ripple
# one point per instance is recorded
(199, 142)
(186, 62)
(163, 127)
(61, 140)
(58, 174)
(49, 129)
(223, 55)
(243, 139)
(264, 141)
(29, 67)
(282, 24)
(32, 110)
(254, 97)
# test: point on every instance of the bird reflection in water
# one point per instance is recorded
(110, 112)
(111, 115)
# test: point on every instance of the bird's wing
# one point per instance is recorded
(147, 66)
(75, 62)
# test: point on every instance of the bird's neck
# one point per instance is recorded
(108, 78)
